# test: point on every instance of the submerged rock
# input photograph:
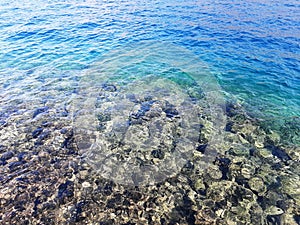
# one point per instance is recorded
(257, 184)
(252, 181)
(273, 211)
(37, 132)
(7, 155)
(214, 172)
(65, 191)
(39, 111)
(279, 152)
(290, 184)
(109, 87)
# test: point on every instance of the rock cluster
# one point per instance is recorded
(44, 179)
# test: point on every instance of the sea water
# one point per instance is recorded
(125, 62)
(251, 47)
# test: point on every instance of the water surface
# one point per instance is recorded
(225, 72)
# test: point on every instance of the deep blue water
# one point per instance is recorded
(252, 47)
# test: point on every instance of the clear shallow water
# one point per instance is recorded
(147, 99)
(247, 51)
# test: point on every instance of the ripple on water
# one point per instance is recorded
(143, 110)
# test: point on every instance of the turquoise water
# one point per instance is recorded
(149, 112)
(252, 47)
